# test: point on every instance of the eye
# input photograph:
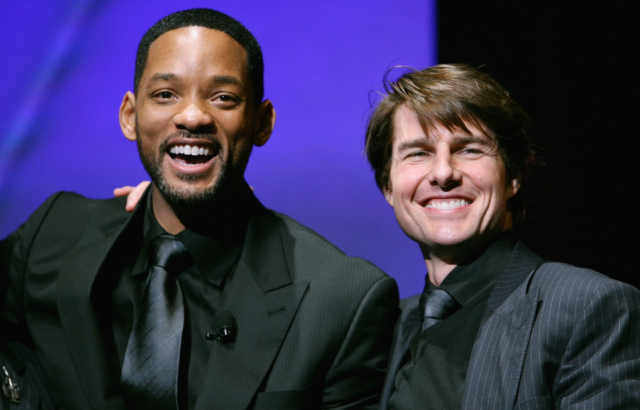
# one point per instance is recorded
(164, 96)
(417, 155)
(471, 151)
(226, 101)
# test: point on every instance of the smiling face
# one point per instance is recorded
(194, 116)
(449, 190)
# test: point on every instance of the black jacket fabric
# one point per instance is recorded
(313, 325)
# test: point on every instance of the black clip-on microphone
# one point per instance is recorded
(226, 325)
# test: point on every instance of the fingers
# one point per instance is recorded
(122, 190)
(134, 194)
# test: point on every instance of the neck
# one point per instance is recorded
(224, 219)
(165, 214)
(442, 260)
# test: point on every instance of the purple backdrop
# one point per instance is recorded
(68, 64)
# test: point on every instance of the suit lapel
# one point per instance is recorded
(500, 348)
(264, 300)
(78, 307)
(407, 328)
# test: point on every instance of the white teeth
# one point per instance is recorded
(446, 205)
(189, 150)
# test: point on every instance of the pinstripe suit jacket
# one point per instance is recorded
(314, 326)
(553, 336)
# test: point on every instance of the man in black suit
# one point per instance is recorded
(496, 326)
(200, 298)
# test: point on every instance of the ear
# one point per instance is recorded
(128, 116)
(513, 187)
(388, 195)
(266, 120)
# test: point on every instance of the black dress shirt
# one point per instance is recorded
(434, 375)
(203, 287)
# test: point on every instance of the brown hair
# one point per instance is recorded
(454, 95)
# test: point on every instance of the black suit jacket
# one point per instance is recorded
(553, 336)
(314, 326)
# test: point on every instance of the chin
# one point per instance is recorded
(446, 238)
(185, 195)
(447, 241)
(187, 189)
(450, 235)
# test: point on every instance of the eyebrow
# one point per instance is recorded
(415, 143)
(470, 139)
(226, 79)
(216, 79)
(164, 77)
(460, 140)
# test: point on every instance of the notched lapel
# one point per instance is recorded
(515, 343)
(501, 346)
(264, 300)
(77, 277)
(264, 253)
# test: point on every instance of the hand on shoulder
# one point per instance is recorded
(134, 194)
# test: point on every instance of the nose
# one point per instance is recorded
(443, 172)
(194, 119)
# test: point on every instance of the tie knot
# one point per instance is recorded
(438, 304)
(168, 252)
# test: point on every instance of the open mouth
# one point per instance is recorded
(194, 154)
(446, 204)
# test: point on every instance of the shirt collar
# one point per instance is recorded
(480, 272)
(213, 259)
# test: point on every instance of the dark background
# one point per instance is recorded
(573, 69)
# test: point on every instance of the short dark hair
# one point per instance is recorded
(453, 95)
(209, 19)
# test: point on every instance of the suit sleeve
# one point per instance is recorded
(356, 376)
(601, 365)
(14, 252)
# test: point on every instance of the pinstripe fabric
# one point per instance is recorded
(553, 336)
(564, 338)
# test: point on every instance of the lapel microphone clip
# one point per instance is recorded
(227, 328)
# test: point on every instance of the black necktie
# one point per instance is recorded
(150, 370)
(437, 305)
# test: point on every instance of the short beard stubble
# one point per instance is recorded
(185, 196)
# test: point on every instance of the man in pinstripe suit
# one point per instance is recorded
(496, 327)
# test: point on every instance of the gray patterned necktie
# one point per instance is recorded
(437, 305)
(149, 376)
